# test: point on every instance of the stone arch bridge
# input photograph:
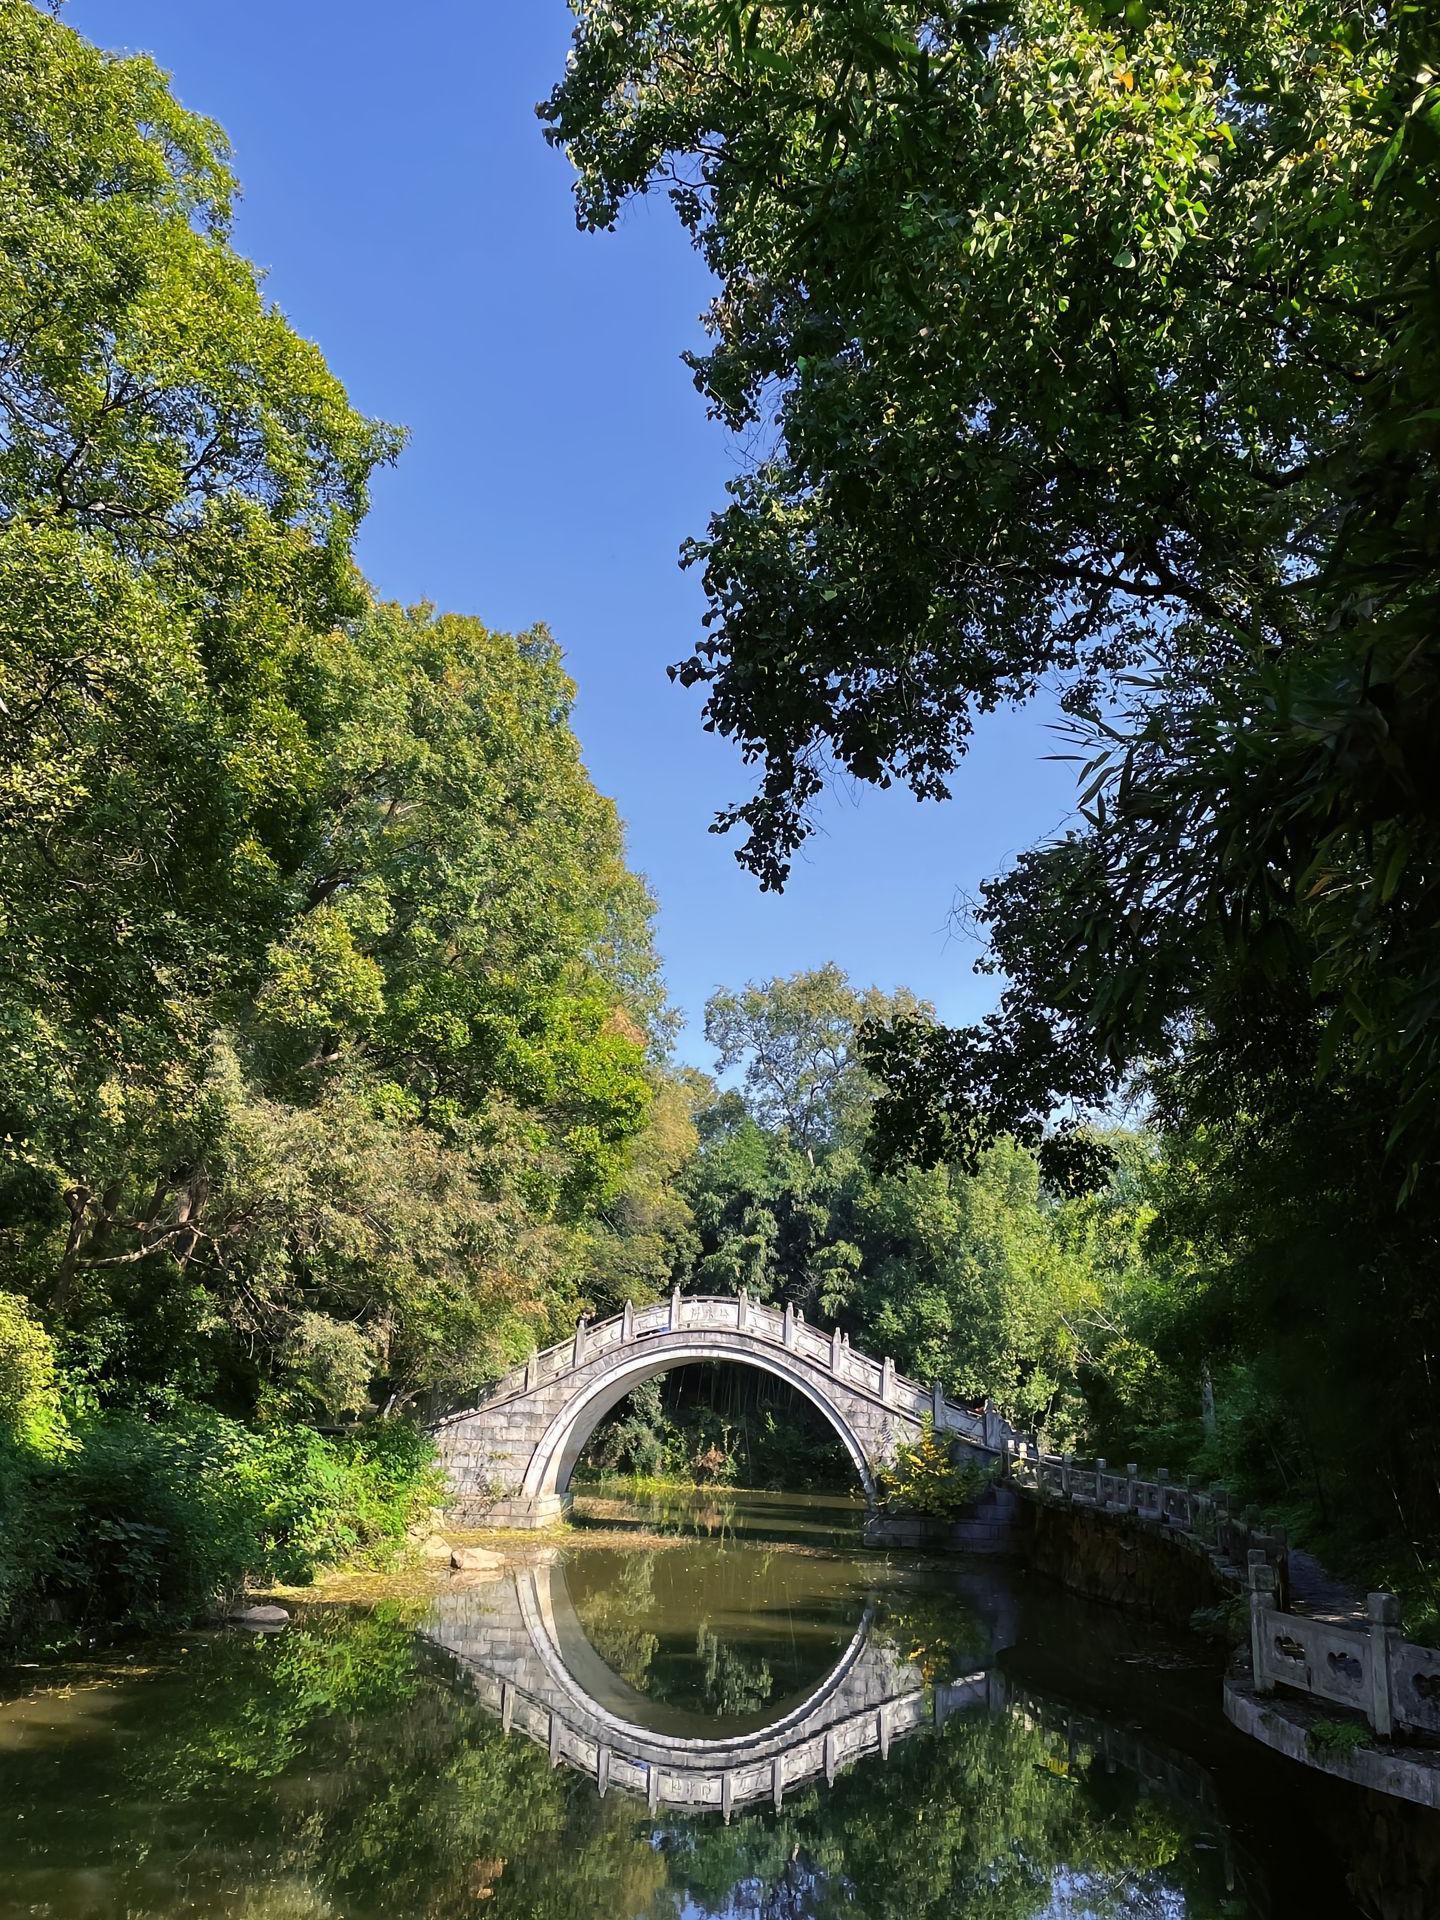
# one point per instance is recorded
(509, 1459)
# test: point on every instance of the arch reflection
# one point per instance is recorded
(524, 1646)
(529, 1654)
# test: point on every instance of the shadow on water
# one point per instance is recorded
(447, 1760)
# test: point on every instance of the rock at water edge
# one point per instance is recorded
(261, 1619)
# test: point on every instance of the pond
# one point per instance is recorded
(785, 1727)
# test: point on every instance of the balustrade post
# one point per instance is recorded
(627, 1321)
(532, 1371)
(1261, 1580)
(741, 1306)
(1162, 1480)
(836, 1352)
(992, 1433)
(580, 1341)
(887, 1380)
(1220, 1499)
(675, 1310)
(937, 1405)
(1067, 1461)
(1247, 1520)
(1282, 1567)
(1383, 1613)
(788, 1331)
(1100, 1466)
(1273, 1549)
(1192, 1495)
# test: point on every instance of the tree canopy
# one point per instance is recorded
(328, 1010)
(1096, 347)
(1097, 344)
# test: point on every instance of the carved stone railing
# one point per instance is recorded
(1370, 1668)
(753, 1322)
(1186, 1509)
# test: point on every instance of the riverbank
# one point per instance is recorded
(119, 1526)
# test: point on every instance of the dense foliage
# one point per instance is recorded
(330, 1025)
(1099, 346)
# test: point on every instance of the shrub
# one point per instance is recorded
(142, 1524)
(922, 1478)
(1227, 1622)
(29, 1395)
(1337, 1738)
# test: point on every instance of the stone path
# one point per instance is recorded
(1316, 1591)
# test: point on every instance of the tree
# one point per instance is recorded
(1101, 347)
(941, 523)
(388, 1105)
(796, 1040)
(1178, 417)
(329, 1013)
(643, 1233)
(978, 1275)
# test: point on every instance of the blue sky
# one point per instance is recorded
(412, 220)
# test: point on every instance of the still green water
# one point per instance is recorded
(1044, 1758)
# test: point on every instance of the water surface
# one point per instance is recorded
(1040, 1759)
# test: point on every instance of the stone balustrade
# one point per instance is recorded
(750, 1319)
(1187, 1509)
(1371, 1669)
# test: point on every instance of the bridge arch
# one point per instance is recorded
(564, 1440)
(509, 1459)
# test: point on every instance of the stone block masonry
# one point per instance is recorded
(510, 1458)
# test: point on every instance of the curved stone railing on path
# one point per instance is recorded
(1198, 1516)
(1296, 1660)
(1366, 1667)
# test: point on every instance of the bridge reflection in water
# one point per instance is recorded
(527, 1655)
(520, 1641)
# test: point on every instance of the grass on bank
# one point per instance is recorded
(117, 1524)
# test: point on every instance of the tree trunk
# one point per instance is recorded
(1207, 1401)
(78, 1201)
